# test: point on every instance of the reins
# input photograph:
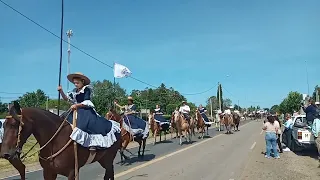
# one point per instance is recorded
(49, 141)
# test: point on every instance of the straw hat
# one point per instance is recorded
(79, 75)
(130, 98)
(183, 102)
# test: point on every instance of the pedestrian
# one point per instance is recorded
(288, 132)
(316, 133)
(271, 127)
(311, 111)
(279, 134)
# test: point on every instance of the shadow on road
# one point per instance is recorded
(311, 153)
(135, 159)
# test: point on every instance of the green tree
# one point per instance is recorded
(3, 109)
(291, 103)
(104, 95)
(33, 99)
(214, 102)
(252, 108)
(53, 104)
(274, 109)
(163, 96)
(237, 107)
(227, 103)
(314, 94)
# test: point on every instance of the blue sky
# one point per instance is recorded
(261, 46)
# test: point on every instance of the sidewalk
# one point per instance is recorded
(289, 167)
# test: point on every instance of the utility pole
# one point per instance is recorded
(69, 34)
(307, 77)
(219, 92)
(211, 107)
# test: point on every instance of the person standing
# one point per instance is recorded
(288, 132)
(311, 111)
(271, 127)
(316, 133)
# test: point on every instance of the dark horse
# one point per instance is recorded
(126, 137)
(236, 121)
(57, 154)
(16, 163)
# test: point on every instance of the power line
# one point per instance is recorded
(84, 52)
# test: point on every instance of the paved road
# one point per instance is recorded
(217, 157)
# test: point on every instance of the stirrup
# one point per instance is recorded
(92, 148)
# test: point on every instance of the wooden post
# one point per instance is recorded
(75, 147)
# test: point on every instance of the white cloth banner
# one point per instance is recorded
(120, 71)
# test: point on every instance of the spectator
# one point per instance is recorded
(311, 111)
(271, 127)
(316, 133)
(279, 134)
(288, 132)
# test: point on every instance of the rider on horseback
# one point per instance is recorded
(92, 130)
(132, 123)
(158, 116)
(185, 110)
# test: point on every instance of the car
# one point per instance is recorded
(302, 137)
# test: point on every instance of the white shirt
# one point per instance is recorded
(228, 111)
(184, 109)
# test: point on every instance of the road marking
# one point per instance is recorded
(168, 155)
(118, 175)
(261, 132)
(253, 145)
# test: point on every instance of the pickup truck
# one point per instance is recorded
(302, 137)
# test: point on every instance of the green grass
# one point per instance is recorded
(4, 164)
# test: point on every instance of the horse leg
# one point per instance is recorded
(143, 146)
(165, 135)
(207, 130)
(155, 136)
(139, 152)
(20, 167)
(48, 175)
(109, 169)
(160, 134)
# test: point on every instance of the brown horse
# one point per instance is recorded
(57, 155)
(155, 128)
(182, 125)
(236, 121)
(200, 124)
(228, 123)
(126, 136)
(173, 126)
(17, 163)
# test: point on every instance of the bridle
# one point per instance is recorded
(19, 144)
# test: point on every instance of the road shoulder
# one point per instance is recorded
(289, 167)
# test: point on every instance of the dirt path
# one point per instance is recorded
(289, 167)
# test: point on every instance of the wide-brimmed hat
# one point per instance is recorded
(317, 103)
(183, 102)
(130, 98)
(79, 75)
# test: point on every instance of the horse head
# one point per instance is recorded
(17, 129)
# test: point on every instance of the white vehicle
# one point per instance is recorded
(302, 137)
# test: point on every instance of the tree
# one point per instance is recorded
(291, 103)
(237, 107)
(3, 109)
(227, 103)
(252, 108)
(33, 99)
(214, 102)
(274, 109)
(314, 94)
(167, 98)
(104, 95)
(53, 104)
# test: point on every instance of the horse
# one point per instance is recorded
(200, 124)
(57, 155)
(236, 121)
(126, 136)
(173, 126)
(193, 125)
(182, 125)
(156, 128)
(17, 163)
(219, 122)
(228, 122)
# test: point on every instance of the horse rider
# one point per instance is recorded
(228, 112)
(185, 110)
(203, 111)
(132, 123)
(93, 130)
(158, 117)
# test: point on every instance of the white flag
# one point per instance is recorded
(121, 71)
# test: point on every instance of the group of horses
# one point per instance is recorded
(56, 153)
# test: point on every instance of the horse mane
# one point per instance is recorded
(35, 112)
